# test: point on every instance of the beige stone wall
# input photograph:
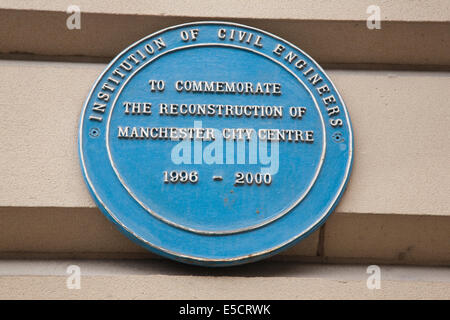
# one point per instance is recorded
(400, 121)
(151, 279)
(395, 82)
(333, 32)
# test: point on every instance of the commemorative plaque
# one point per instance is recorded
(215, 143)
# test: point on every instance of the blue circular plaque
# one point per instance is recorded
(215, 143)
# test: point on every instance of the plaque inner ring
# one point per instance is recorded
(215, 232)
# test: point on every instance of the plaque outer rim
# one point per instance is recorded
(202, 260)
